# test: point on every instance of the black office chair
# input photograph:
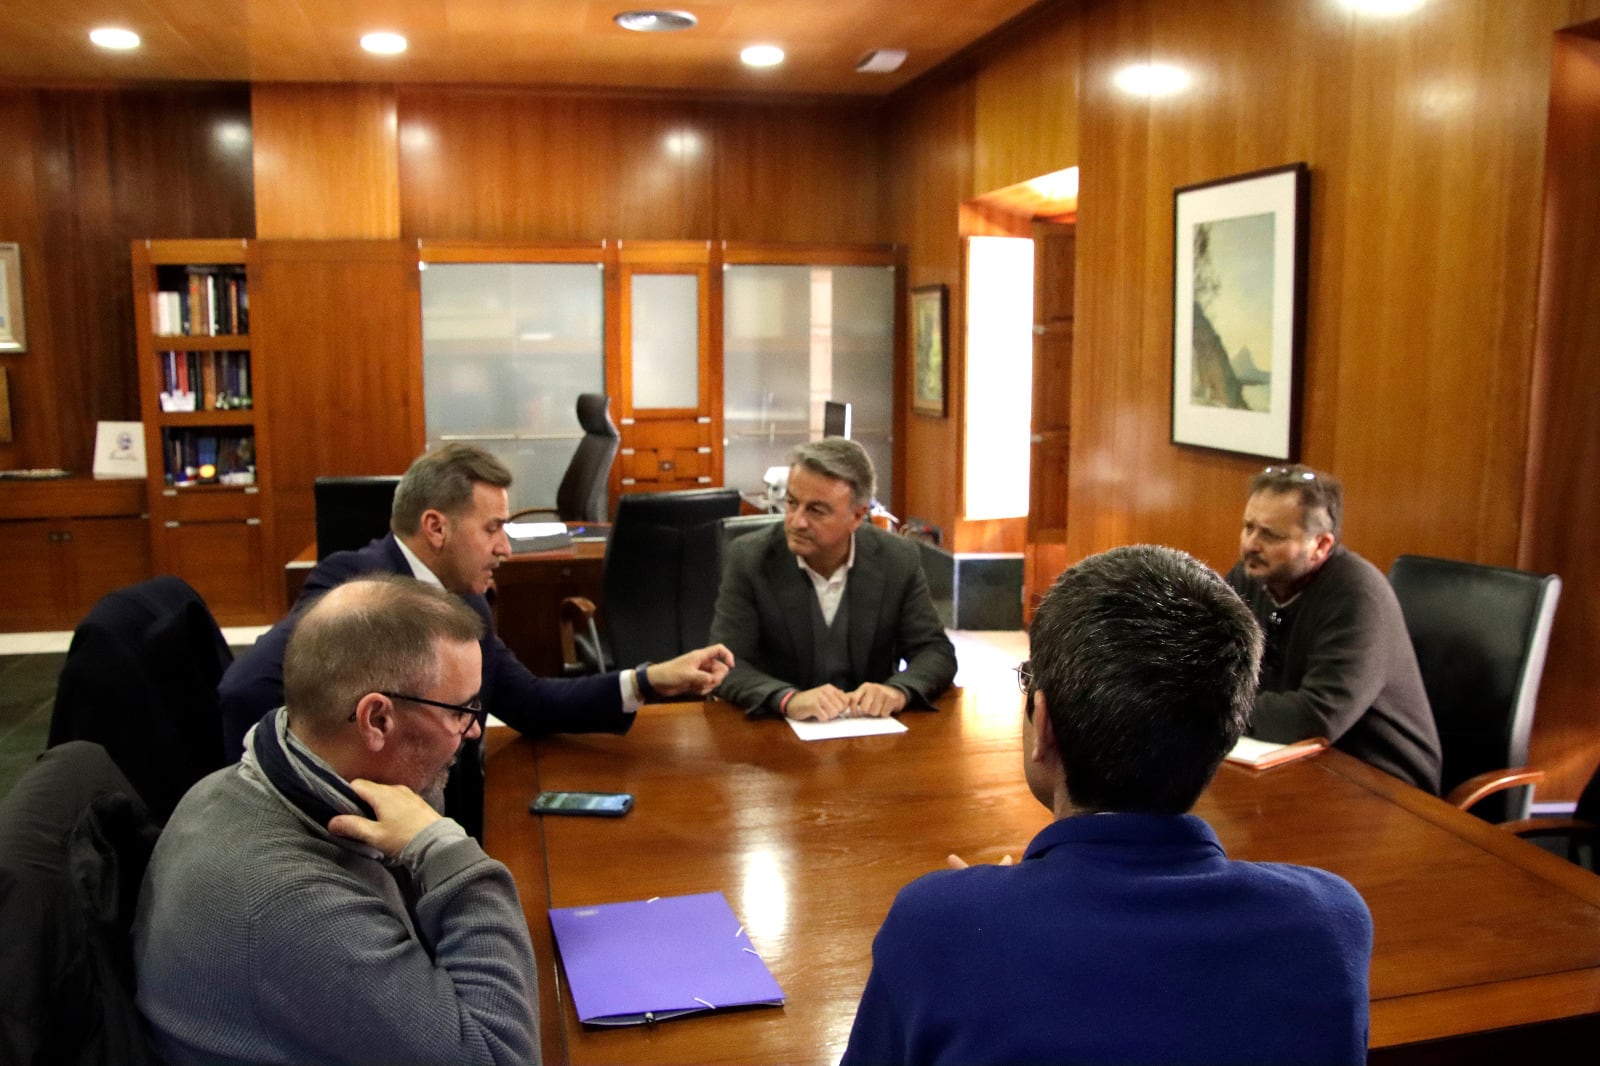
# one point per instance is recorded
(1576, 838)
(740, 526)
(581, 496)
(659, 580)
(74, 842)
(1480, 633)
(352, 511)
(140, 679)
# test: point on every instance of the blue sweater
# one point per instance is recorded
(1120, 938)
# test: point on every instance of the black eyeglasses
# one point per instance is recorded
(1024, 672)
(471, 709)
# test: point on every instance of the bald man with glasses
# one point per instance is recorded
(311, 903)
(1338, 661)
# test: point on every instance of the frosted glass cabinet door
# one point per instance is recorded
(665, 312)
(506, 350)
(795, 337)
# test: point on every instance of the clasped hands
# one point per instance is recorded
(827, 702)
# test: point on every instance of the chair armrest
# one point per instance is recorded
(1473, 789)
(1541, 827)
(576, 612)
(517, 516)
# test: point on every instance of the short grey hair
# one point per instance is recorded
(378, 633)
(843, 460)
(443, 480)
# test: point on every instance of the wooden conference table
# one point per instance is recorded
(1486, 948)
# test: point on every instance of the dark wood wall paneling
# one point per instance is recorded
(930, 174)
(1562, 510)
(85, 172)
(510, 165)
(1425, 136)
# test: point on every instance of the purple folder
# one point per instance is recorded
(631, 963)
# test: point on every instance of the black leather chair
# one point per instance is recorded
(1480, 633)
(660, 578)
(739, 526)
(74, 842)
(1576, 838)
(140, 679)
(352, 511)
(581, 496)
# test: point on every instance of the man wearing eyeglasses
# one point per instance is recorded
(1339, 662)
(309, 904)
(448, 529)
(1125, 934)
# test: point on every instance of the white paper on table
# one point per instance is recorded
(845, 727)
(527, 530)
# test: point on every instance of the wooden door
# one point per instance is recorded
(671, 423)
(1054, 256)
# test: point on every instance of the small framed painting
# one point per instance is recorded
(13, 327)
(930, 369)
(1238, 312)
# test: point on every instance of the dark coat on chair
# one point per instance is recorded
(74, 842)
(764, 609)
(534, 706)
(140, 679)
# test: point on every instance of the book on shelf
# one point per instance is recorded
(1261, 754)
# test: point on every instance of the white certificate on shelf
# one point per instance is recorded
(119, 449)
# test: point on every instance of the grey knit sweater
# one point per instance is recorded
(260, 938)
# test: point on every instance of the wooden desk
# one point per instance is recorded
(529, 589)
(1475, 930)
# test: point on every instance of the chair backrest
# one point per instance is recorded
(581, 496)
(1588, 807)
(140, 678)
(1480, 634)
(352, 511)
(661, 572)
(74, 842)
(741, 525)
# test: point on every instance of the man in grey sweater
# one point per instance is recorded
(309, 904)
(1338, 661)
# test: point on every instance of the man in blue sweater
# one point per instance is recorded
(1125, 934)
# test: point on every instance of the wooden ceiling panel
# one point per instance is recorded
(523, 42)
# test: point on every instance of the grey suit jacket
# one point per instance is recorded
(763, 615)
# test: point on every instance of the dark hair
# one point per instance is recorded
(378, 633)
(443, 480)
(1147, 661)
(1321, 495)
(843, 460)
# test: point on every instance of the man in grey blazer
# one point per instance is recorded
(821, 612)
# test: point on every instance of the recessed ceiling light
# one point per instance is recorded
(384, 44)
(881, 61)
(654, 21)
(112, 37)
(762, 55)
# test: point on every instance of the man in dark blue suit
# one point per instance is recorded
(448, 529)
(1125, 934)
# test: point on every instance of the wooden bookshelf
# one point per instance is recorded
(208, 484)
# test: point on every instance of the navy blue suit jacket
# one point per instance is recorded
(534, 706)
(1119, 938)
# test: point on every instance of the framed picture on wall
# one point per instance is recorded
(930, 370)
(1238, 312)
(13, 334)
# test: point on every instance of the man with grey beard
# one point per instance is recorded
(310, 904)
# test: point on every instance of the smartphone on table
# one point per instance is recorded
(596, 804)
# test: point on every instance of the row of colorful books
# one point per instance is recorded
(201, 457)
(205, 381)
(203, 302)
